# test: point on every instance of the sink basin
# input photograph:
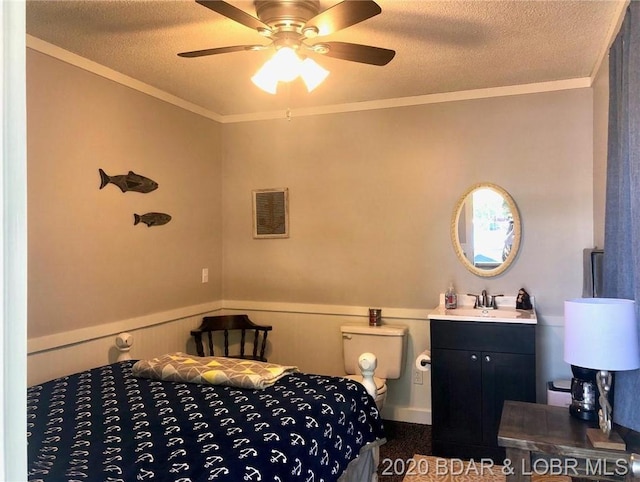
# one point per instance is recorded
(500, 315)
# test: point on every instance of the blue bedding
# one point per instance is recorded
(107, 425)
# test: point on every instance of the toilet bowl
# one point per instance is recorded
(386, 342)
(381, 389)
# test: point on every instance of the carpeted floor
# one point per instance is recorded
(406, 457)
(403, 441)
(437, 469)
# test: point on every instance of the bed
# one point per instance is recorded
(109, 424)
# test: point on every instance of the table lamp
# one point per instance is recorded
(602, 334)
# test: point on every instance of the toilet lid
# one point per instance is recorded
(381, 386)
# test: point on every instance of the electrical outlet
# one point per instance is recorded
(418, 377)
(205, 275)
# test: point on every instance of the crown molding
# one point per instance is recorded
(98, 69)
(83, 63)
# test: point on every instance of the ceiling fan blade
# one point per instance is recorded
(343, 15)
(221, 50)
(358, 53)
(234, 13)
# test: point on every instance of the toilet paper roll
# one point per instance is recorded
(423, 361)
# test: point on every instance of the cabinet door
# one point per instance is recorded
(456, 390)
(505, 376)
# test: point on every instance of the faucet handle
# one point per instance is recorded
(493, 301)
(476, 302)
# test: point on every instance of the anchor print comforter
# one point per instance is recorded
(107, 425)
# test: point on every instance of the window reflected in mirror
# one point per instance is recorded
(486, 229)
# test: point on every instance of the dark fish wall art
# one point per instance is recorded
(151, 219)
(136, 183)
(129, 182)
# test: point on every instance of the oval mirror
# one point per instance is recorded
(486, 230)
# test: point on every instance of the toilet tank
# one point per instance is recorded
(386, 342)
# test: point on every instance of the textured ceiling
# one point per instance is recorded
(442, 46)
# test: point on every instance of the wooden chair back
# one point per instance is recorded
(227, 324)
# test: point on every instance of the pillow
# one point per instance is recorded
(212, 370)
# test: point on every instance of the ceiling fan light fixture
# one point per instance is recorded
(266, 78)
(283, 66)
(312, 73)
(288, 24)
(286, 66)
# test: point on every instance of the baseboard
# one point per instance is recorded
(407, 414)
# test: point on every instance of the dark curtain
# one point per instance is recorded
(622, 219)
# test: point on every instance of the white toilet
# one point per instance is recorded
(386, 342)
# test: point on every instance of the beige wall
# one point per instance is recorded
(372, 193)
(88, 263)
(371, 198)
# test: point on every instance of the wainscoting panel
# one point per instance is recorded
(307, 336)
(148, 341)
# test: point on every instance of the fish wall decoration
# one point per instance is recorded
(129, 182)
(151, 219)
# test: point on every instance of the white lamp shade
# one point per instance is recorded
(601, 334)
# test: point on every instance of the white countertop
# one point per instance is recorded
(505, 313)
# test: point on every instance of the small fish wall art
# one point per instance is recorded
(129, 182)
(151, 219)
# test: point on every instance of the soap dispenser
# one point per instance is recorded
(450, 298)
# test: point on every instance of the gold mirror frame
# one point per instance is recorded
(455, 230)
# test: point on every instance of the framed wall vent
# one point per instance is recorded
(271, 213)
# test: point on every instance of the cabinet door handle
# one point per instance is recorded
(487, 358)
(474, 357)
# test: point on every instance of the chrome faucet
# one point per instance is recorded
(492, 304)
(484, 301)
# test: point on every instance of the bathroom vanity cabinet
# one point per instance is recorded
(475, 367)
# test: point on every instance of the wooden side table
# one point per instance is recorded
(547, 440)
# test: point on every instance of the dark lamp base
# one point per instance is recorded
(582, 414)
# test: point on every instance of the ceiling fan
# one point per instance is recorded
(289, 24)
